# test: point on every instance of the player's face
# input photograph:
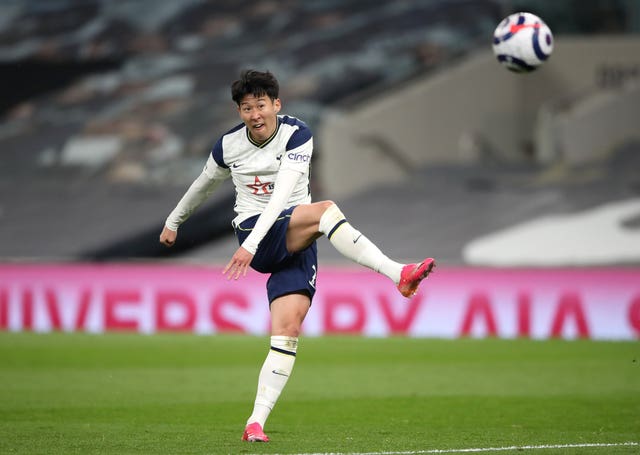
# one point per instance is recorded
(260, 115)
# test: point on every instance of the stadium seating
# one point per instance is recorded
(93, 158)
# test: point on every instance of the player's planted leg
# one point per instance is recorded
(273, 377)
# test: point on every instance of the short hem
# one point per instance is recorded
(297, 291)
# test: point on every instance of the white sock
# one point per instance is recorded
(273, 377)
(355, 246)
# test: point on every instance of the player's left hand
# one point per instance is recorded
(238, 264)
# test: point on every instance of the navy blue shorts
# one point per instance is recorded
(290, 272)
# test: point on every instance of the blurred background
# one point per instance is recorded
(109, 109)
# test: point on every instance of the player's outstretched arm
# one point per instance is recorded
(168, 237)
(201, 188)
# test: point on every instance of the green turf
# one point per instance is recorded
(183, 394)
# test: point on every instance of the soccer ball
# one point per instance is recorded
(522, 42)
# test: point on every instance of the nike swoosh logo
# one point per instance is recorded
(235, 165)
(280, 373)
(357, 238)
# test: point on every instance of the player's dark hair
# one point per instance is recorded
(255, 83)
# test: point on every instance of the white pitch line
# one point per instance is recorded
(479, 449)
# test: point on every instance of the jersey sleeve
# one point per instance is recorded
(299, 148)
(209, 179)
(217, 156)
(214, 170)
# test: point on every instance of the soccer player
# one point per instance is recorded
(267, 157)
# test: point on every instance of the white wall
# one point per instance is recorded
(438, 119)
(589, 128)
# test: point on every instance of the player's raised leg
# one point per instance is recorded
(310, 221)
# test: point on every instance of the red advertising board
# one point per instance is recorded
(453, 302)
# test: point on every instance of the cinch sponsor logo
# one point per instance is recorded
(298, 157)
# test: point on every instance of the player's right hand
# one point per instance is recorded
(238, 265)
(168, 237)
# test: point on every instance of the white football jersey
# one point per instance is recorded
(253, 167)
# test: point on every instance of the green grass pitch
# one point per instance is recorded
(187, 394)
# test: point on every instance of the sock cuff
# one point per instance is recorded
(284, 344)
(331, 220)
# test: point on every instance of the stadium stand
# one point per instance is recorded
(109, 110)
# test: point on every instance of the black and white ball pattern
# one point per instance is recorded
(522, 42)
